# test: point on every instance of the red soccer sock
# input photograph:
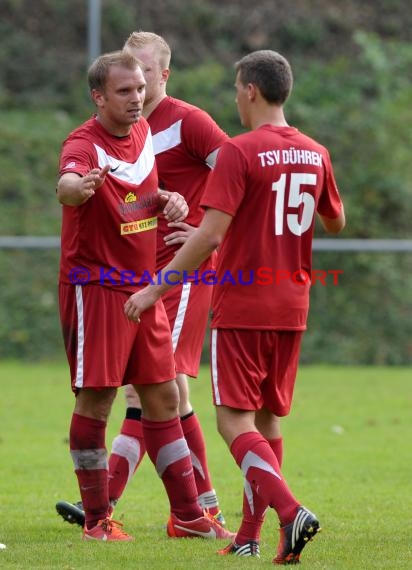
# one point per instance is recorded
(277, 447)
(260, 467)
(169, 453)
(128, 450)
(196, 442)
(87, 447)
(254, 509)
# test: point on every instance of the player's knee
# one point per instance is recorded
(171, 399)
(160, 401)
(184, 395)
(132, 397)
(95, 404)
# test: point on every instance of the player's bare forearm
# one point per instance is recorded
(75, 190)
(334, 225)
(197, 248)
(190, 256)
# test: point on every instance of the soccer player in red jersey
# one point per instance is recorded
(185, 141)
(260, 203)
(108, 186)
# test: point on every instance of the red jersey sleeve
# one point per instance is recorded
(77, 155)
(201, 135)
(225, 186)
(330, 203)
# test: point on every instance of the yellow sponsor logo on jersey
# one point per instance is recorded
(138, 226)
(130, 197)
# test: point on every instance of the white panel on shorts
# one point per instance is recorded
(80, 337)
(180, 317)
(215, 379)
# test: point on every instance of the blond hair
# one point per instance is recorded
(142, 39)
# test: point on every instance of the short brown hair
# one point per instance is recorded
(99, 69)
(142, 39)
(269, 71)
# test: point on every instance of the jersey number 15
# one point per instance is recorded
(295, 199)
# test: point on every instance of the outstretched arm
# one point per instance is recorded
(75, 190)
(196, 249)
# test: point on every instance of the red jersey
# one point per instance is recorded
(183, 137)
(272, 180)
(111, 236)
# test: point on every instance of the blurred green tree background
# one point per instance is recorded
(353, 92)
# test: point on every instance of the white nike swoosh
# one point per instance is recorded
(210, 534)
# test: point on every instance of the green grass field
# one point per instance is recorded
(347, 457)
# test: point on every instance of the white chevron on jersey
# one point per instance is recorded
(135, 172)
(167, 139)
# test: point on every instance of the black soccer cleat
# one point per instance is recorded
(73, 513)
(295, 536)
(251, 548)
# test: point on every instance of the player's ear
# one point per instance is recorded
(97, 97)
(252, 91)
(165, 75)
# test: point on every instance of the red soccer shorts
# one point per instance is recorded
(187, 307)
(104, 348)
(254, 368)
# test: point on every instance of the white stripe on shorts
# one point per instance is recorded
(215, 379)
(80, 337)
(180, 317)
